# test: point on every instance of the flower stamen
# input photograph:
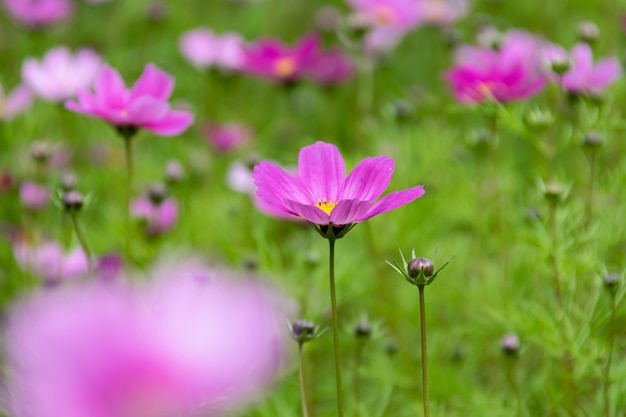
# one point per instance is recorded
(326, 206)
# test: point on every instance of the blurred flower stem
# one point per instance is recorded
(333, 303)
(129, 181)
(607, 371)
(82, 240)
(424, 351)
(305, 411)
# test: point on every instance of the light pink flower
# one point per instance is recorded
(144, 106)
(60, 74)
(442, 12)
(227, 137)
(188, 343)
(34, 196)
(38, 13)
(16, 102)
(49, 261)
(159, 217)
(401, 15)
(585, 77)
(204, 49)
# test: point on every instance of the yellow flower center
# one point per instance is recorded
(285, 67)
(385, 15)
(326, 206)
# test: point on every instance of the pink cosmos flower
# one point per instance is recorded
(203, 49)
(160, 216)
(271, 59)
(510, 73)
(401, 15)
(60, 74)
(34, 196)
(227, 137)
(144, 106)
(331, 67)
(442, 12)
(49, 261)
(16, 102)
(585, 77)
(38, 13)
(323, 195)
(189, 343)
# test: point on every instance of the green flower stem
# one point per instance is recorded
(82, 241)
(591, 190)
(607, 370)
(424, 352)
(129, 181)
(333, 303)
(305, 411)
(554, 257)
(356, 380)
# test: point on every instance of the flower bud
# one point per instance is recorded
(418, 265)
(612, 281)
(592, 139)
(510, 344)
(363, 329)
(174, 171)
(302, 331)
(68, 181)
(588, 31)
(157, 193)
(553, 191)
(539, 119)
(40, 151)
(328, 19)
(72, 201)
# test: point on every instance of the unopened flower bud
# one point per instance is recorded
(510, 344)
(156, 11)
(593, 139)
(489, 37)
(72, 201)
(174, 171)
(328, 18)
(553, 191)
(418, 265)
(302, 331)
(612, 281)
(363, 329)
(40, 151)
(68, 181)
(588, 31)
(539, 119)
(157, 193)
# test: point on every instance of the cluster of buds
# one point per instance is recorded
(418, 271)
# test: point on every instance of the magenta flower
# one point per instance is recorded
(162, 349)
(227, 137)
(322, 194)
(34, 196)
(585, 77)
(271, 59)
(144, 106)
(60, 74)
(204, 49)
(38, 13)
(402, 15)
(160, 217)
(16, 102)
(331, 67)
(49, 261)
(510, 73)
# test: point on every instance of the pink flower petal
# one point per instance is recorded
(348, 211)
(275, 185)
(153, 82)
(394, 200)
(174, 123)
(369, 179)
(146, 109)
(310, 213)
(322, 170)
(110, 89)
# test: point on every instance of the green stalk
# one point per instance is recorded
(333, 303)
(129, 180)
(305, 411)
(424, 352)
(607, 371)
(82, 241)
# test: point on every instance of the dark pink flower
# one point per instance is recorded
(205, 49)
(509, 73)
(160, 216)
(187, 342)
(585, 77)
(272, 59)
(331, 67)
(144, 106)
(60, 74)
(34, 196)
(227, 137)
(37, 13)
(323, 195)
(16, 102)
(49, 261)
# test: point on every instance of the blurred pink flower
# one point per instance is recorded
(190, 342)
(203, 49)
(60, 74)
(227, 137)
(38, 13)
(401, 15)
(34, 196)
(16, 102)
(442, 12)
(331, 67)
(271, 59)
(509, 73)
(160, 216)
(585, 77)
(49, 261)
(144, 106)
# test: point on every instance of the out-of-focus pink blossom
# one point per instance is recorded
(331, 67)
(442, 12)
(144, 106)
(510, 73)
(39, 13)
(34, 196)
(380, 41)
(227, 137)
(160, 217)
(16, 102)
(49, 261)
(60, 74)
(203, 49)
(585, 77)
(272, 59)
(188, 343)
(401, 15)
